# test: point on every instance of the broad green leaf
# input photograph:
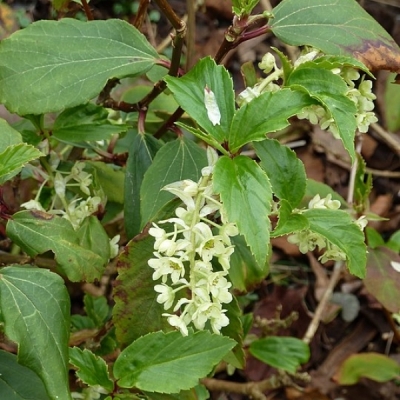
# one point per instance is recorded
(289, 221)
(183, 395)
(189, 92)
(374, 366)
(14, 157)
(373, 238)
(330, 62)
(245, 273)
(340, 27)
(141, 155)
(109, 178)
(37, 232)
(18, 382)
(35, 308)
(391, 100)
(264, 114)
(136, 311)
(85, 123)
(286, 172)
(383, 277)
(286, 353)
(91, 369)
(236, 357)
(52, 65)
(93, 237)
(246, 194)
(175, 161)
(338, 228)
(394, 242)
(329, 89)
(96, 309)
(169, 362)
(8, 135)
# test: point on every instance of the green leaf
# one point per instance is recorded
(37, 232)
(175, 161)
(391, 100)
(136, 311)
(189, 93)
(85, 123)
(336, 27)
(374, 366)
(236, 357)
(329, 89)
(245, 273)
(286, 172)
(14, 157)
(18, 382)
(338, 227)
(9, 136)
(93, 237)
(243, 7)
(289, 222)
(246, 194)
(394, 242)
(52, 65)
(141, 155)
(382, 279)
(264, 114)
(91, 369)
(154, 361)
(35, 308)
(109, 178)
(286, 353)
(97, 309)
(330, 62)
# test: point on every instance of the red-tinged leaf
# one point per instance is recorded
(383, 278)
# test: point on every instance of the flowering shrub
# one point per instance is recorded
(199, 213)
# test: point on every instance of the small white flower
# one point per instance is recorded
(185, 190)
(177, 322)
(334, 253)
(395, 265)
(361, 222)
(164, 266)
(60, 184)
(325, 203)
(267, 63)
(114, 246)
(33, 205)
(166, 296)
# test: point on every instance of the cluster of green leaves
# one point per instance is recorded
(59, 67)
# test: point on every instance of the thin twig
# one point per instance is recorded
(389, 138)
(313, 326)
(88, 11)
(191, 7)
(141, 14)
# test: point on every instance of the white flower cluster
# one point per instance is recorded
(309, 241)
(73, 209)
(182, 256)
(362, 96)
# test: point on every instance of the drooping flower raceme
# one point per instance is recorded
(190, 287)
(308, 240)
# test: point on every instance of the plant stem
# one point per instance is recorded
(167, 10)
(141, 14)
(88, 11)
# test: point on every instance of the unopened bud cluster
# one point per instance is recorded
(190, 287)
(308, 240)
